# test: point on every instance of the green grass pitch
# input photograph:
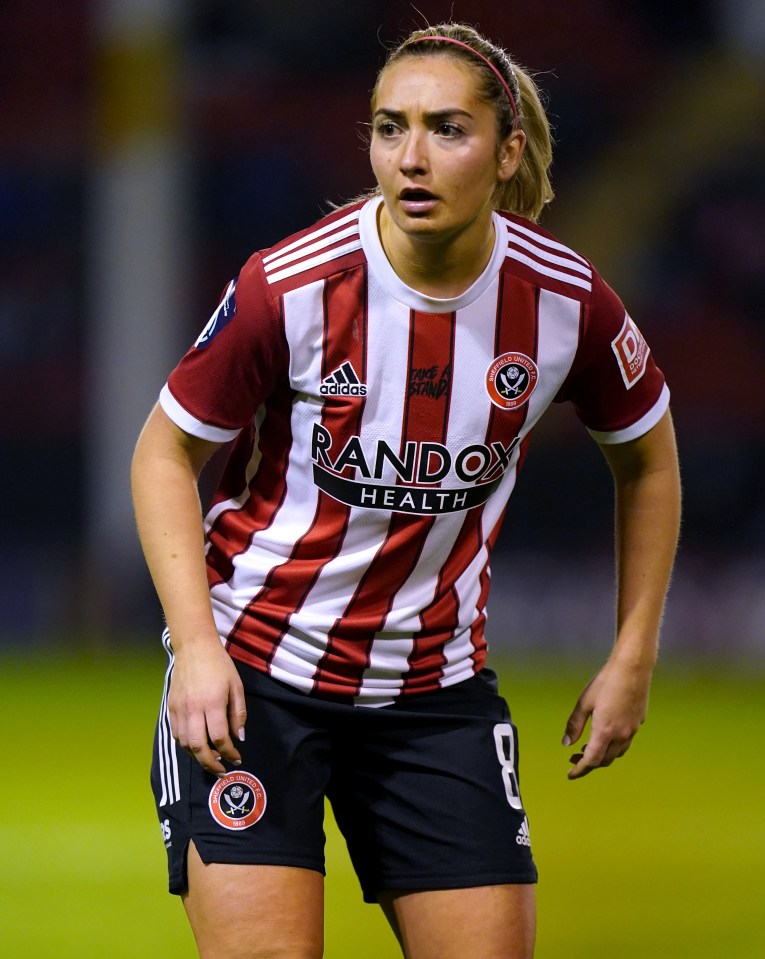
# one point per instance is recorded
(660, 857)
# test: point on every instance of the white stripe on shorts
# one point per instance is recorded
(166, 746)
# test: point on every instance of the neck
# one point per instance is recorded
(438, 267)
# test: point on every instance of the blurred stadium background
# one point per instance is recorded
(146, 148)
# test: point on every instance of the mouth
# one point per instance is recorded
(416, 200)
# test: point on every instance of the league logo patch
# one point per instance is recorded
(511, 379)
(631, 352)
(220, 318)
(237, 801)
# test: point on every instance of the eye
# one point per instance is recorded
(386, 128)
(447, 128)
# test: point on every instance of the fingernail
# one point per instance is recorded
(236, 762)
(567, 740)
(241, 734)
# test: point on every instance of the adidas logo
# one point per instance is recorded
(343, 382)
(523, 833)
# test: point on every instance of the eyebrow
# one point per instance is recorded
(431, 115)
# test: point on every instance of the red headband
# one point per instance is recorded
(489, 64)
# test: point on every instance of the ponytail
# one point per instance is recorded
(530, 190)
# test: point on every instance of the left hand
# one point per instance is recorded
(616, 699)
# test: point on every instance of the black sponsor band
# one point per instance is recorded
(401, 499)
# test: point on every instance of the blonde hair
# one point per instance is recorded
(529, 190)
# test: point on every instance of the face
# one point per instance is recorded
(434, 149)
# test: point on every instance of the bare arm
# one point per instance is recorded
(647, 482)
(206, 698)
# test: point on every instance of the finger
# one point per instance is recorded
(237, 712)
(592, 756)
(207, 758)
(596, 756)
(581, 768)
(178, 728)
(575, 724)
(199, 747)
(221, 740)
(224, 726)
(616, 750)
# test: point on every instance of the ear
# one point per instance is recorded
(510, 153)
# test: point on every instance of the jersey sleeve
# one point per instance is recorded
(617, 390)
(235, 364)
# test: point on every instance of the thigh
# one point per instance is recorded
(483, 922)
(254, 912)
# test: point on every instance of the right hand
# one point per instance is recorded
(207, 705)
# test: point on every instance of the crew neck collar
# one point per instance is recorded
(395, 286)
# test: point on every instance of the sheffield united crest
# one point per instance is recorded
(237, 801)
(510, 380)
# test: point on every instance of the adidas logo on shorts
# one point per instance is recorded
(343, 382)
(523, 834)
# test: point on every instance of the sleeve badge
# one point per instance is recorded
(631, 352)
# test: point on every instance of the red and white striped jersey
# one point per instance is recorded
(378, 435)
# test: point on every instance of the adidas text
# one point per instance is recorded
(166, 832)
(343, 389)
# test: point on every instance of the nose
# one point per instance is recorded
(414, 153)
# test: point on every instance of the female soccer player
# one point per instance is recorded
(380, 374)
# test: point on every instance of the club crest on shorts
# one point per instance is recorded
(510, 380)
(237, 801)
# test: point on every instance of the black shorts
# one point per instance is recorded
(425, 791)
